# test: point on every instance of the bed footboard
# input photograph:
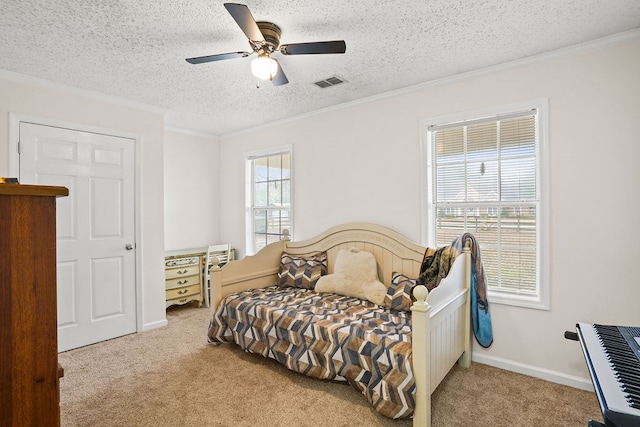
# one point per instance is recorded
(441, 334)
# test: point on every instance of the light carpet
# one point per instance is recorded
(170, 376)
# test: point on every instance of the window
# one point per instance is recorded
(268, 198)
(483, 175)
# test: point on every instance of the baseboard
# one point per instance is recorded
(154, 325)
(535, 371)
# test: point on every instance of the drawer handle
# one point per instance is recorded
(182, 272)
(184, 291)
(182, 282)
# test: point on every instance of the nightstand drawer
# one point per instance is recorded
(183, 292)
(182, 261)
(192, 270)
(182, 282)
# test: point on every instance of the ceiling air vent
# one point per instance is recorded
(331, 81)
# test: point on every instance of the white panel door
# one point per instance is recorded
(95, 227)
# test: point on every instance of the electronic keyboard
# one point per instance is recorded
(612, 354)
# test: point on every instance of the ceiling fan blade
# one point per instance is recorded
(280, 78)
(245, 20)
(219, 57)
(335, 46)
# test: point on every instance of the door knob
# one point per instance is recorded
(129, 246)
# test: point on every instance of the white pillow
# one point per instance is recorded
(355, 274)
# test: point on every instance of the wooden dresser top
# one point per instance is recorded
(32, 190)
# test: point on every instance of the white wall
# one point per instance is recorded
(35, 98)
(362, 163)
(191, 190)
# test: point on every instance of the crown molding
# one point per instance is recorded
(555, 54)
(596, 44)
(97, 96)
(192, 132)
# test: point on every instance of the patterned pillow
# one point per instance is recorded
(400, 293)
(302, 271)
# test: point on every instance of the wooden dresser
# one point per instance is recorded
(183, 278)
(29, 371)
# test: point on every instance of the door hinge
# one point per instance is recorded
(18, 147)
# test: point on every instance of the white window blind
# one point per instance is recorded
(484, 178)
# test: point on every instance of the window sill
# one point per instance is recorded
(526, 301)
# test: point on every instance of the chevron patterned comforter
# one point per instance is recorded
(326, 336)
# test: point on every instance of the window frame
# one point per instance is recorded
(541, 300)
(249, 157)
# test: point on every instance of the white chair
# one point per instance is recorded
(223, 253)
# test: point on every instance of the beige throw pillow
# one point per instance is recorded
(355, 274)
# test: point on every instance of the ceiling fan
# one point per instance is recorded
(264, 39)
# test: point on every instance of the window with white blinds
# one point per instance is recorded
(269, 199)
(484, 178)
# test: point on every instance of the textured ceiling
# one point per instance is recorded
(135, 49)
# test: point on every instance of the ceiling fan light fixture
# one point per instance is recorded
(264, 67)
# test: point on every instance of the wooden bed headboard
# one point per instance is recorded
(393, 253)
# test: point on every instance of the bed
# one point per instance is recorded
(420, 346)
